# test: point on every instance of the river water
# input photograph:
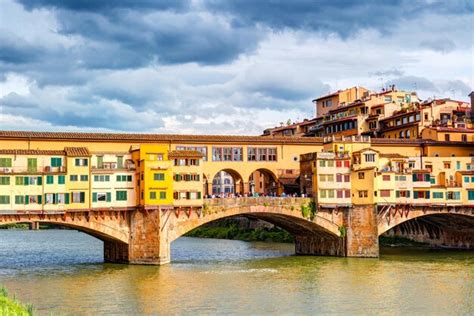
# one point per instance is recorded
(61, 271)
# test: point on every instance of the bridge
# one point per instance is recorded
(144, 236)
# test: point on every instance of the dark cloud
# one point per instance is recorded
(106, 6)
(413, 83)
(15, 51)
(342, 17)
(388, 72)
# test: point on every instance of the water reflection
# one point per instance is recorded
(61, 271)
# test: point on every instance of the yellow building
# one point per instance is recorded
(154, 174)
(188, 183)
(331, 101)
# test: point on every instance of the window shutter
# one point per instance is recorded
(414, 177)
(109, 196)
(82, 196)
(66, 198)
(415, 194)
(40, 180)
(27, 199)
(40, 199)
(397, 194)
(428, 194)
(27, 180)
(199, 195)
(94, 197)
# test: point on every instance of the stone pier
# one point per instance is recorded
(362, 238)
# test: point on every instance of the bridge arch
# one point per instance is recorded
(288, 217)
(114, 232)
(225, 181)
(263, 181)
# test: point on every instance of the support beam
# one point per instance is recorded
(362, 232)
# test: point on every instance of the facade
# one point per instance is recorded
(375, 177)
(326, 103)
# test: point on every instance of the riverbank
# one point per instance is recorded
(233, 232)
(12, 307)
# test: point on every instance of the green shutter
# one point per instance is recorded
(61, 179)
(397, 194)
(40, 199)
(49, 179)
(82, 196)
(26, 181)
(109, 197)
(40, 181)
(27, 199)
(129, 178)
(56, 198)
(94, 197)
(66, 198)
(199, 195)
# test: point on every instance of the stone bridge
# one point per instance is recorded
(144, 236)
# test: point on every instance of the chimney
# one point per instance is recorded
(472, 104)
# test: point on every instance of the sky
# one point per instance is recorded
(219, 67)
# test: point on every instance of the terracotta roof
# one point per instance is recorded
(468, 172)
(364, 150)
(35, 152)
(122, 137)
(77, 151)
(184, 154)
(453, 129)
(392, 155)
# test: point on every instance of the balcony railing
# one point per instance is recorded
(32, 170)
(254, 201)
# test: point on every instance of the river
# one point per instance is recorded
(61, 271)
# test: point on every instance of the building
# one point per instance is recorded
(290, 130)
(377, 177)
(326, 103)
(410, 122)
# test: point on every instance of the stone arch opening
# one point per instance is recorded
(226, 182)
(91, 232)
(263, 181)
(311, 237)
(446, 230)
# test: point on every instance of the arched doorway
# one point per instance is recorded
(226, 182)
(263, 182)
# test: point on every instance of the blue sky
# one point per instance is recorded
(218, 67)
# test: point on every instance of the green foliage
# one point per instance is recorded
(235, 233)
(309, 211)
(265, 204)
(343, 231)
(12, 307)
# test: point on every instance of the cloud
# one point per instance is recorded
(106, 6)
(334, 16)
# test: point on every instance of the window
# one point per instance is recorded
(73, 177)
(5, 162)
(470, 195)
(100, 162)
(19, 199)
(272, 154)
(119, 162)
(433, 180)
(20, 181)
(32, 164)
(331, 194)
(163, 195)
(458, 165)
(84, 177)
(450, 195)
(388, 98)
(322, 163)
(466, 179)
(347, 164)
(426, 116)
(447, 165)
(338, 177)
(4, 180)
(340, 194)
(421, 177)
(78, 197)
(347, 193)
(262, 154)
(49, 180)
(61, 179)
(464, 138)
(123, 178)
(384, 193)
(330, 178)
(252, 154)
(421, 194)
(81, 162)
(56, 162)
(202, 150)
(159, 176)
(363, 194)
(322, 194)
(322, 177)
(227, 153)
(347, 178)
(101, 178)
(438, 195)
(361, 175)
(330, 163)
(121, 195)
(386, 177)
(407, 133)
(338, 164)
(4, 199)
(403, 194)
(369, 157)
(152, 195)
(446, 137)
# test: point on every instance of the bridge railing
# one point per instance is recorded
(251, 201)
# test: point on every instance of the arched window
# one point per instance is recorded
(401, 134)
(407, 134)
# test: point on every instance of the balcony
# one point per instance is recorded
(32, 170)
(107, 166)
